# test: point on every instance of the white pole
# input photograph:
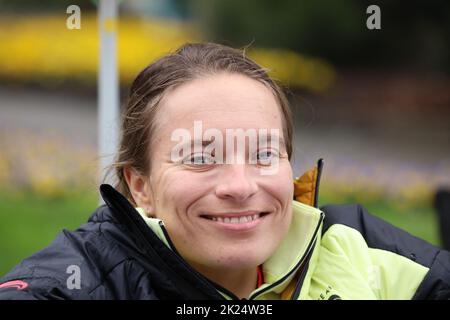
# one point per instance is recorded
(108, 85)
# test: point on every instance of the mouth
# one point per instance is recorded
(236, 220)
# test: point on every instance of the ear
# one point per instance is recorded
(140, 189)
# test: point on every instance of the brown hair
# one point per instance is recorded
(190, 61)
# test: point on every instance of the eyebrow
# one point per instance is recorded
(204, 143)
(280, 139)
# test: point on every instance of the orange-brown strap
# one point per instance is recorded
(305, 186)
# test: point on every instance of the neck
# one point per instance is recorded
(240, 282)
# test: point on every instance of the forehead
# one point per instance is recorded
(220, 101)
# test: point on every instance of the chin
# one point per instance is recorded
(244, 259)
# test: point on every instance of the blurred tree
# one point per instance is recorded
(414, 34)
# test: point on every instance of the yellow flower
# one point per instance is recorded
(43, 50)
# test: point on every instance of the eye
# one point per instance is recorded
(266, 156)
(199, 159)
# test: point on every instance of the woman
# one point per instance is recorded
(204, 206)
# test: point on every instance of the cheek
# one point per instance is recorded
(177, 191)
(281, 185)
(174, 192)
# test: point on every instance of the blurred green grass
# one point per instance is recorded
(29, 222)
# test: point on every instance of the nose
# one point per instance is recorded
(236, 183)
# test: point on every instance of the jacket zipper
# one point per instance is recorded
(301, 278)
(305, 258)
(214, 285)
(319, 176)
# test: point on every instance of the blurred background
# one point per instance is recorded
(375, 104)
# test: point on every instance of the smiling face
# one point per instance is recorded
(219, 216)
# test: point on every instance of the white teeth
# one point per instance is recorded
(242, 219)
